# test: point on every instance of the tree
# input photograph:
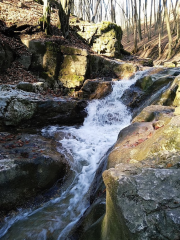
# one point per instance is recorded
(46, 17)
(168, 28)
(135, 27)
(64, 13)
(139, 22)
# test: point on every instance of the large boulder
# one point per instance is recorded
(141, 203)
(95, 89)
(104, 67)
(105, 37)
(29, 163)
(142, 187)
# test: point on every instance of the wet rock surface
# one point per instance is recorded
(142, 176)
(29, 163)
(152, 88)
(95, 89)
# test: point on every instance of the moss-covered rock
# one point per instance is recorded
(105, 37)
(124, 70)
(144, 83)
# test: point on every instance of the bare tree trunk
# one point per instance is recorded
(159, 26)
(80, 9)
(139, 22)
(155, 19)
(95, 11)
(178, 20)
(150, 20)
(168, 28)
(64, 13)
(46, 17)
(135, 27)
(146, 18)
(113, 16)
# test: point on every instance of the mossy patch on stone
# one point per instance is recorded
(71, 80)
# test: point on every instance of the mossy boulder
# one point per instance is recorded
(107, 40)
(104, 38)
(18, 107)
(141, 203)
(124, 70)
(148, 136)
(144, 83)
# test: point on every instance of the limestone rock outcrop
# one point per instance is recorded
(105, 37)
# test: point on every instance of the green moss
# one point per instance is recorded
(70, 50)
(111, 27)
(71, 80)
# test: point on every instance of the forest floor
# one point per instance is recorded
(148, 48)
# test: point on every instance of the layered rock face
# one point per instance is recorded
(65, 66)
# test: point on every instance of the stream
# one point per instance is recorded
(86, 145)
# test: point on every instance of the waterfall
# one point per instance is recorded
(86, 144)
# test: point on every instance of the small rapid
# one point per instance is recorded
(86, 145)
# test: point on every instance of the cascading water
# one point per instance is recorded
(87, 144)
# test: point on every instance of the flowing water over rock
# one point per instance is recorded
(87, 145)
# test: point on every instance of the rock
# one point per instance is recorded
(139, 95)
(6, 57)
(25, 60)
(144, 83)
(147, 201)
(96, 89)
(28, 164)
(146, 62)
(124, 70)
(19, 110)
(18, 107)
(105, 37)
(31, 87)
(170, 96)
(154, 113)
(142, 190)
(54, 62)
(169, 64)
(103, 67)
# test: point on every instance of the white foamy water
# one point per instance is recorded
(87, 145)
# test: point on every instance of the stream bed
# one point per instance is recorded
(86, 145)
